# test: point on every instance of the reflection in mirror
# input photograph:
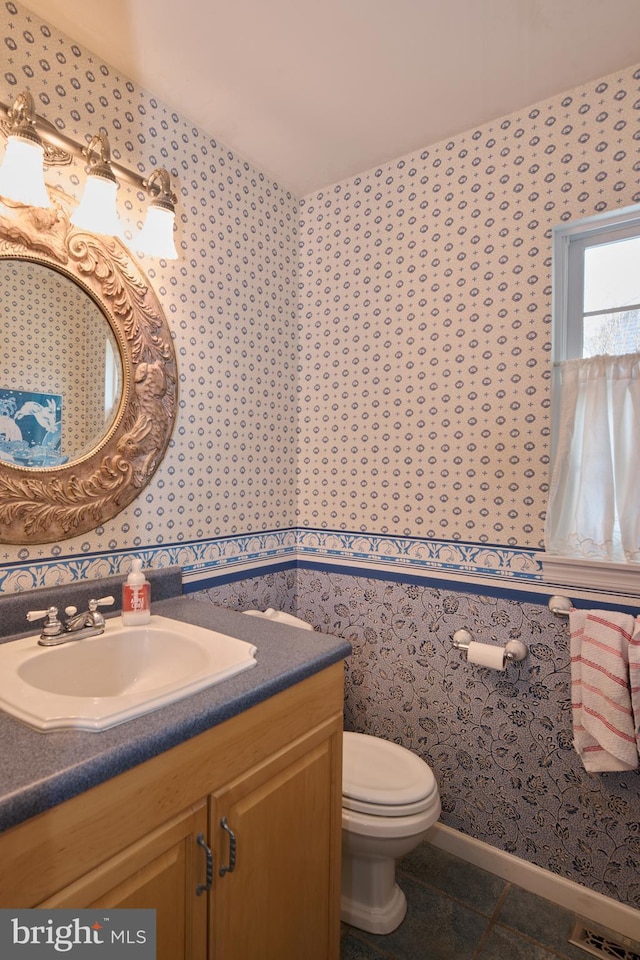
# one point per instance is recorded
(60, 367)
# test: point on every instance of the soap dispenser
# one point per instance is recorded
(136, 596)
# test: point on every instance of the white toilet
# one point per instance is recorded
(390, 800)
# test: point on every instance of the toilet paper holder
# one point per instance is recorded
(514, 650)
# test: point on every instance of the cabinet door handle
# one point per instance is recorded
(205, 887)
(232, 848)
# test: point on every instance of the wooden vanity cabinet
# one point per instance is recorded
(262, 791)
(271, 829)
(160, 871)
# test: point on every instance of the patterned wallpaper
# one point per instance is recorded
(425, 308)
(499, 743)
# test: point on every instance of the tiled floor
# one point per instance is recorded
(457, 911)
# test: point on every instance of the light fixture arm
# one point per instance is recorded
(159, 188)
(22, 116)
(98, 154)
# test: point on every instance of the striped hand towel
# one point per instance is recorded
(603, 727)
(634, 678)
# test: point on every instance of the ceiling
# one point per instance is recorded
(315, 91)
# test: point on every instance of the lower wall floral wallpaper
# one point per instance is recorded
(499, 743)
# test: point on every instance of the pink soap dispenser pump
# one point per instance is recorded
(136, 596)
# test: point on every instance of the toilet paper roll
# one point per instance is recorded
(486, 655)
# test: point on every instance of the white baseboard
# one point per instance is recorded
(617, 917)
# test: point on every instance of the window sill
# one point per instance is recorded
(619, 578)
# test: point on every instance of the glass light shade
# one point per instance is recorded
(156, 236)
(21, 173)
(97, 210)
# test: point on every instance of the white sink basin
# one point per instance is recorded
(127, 671)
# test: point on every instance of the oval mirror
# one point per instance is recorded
(88, 383)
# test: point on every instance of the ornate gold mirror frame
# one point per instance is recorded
(54, 503)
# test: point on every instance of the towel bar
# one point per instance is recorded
(561, 606)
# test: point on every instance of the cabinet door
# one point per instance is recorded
(280, 899)
(162, 872)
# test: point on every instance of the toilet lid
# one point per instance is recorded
(280, 617)
(377, 772)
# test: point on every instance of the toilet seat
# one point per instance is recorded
(384, 779)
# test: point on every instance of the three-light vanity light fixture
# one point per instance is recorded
(22, 179)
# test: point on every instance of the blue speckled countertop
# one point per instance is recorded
(40, 770)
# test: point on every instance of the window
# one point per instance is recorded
(594, 509)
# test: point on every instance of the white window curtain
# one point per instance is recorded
(594, 499)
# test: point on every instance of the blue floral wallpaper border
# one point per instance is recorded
(221, 559)
(389, 551)
(199, 560)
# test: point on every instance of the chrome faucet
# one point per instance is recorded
(79, 626)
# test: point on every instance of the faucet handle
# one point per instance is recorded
(50, 612)
(103, 602)
(52, 626)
